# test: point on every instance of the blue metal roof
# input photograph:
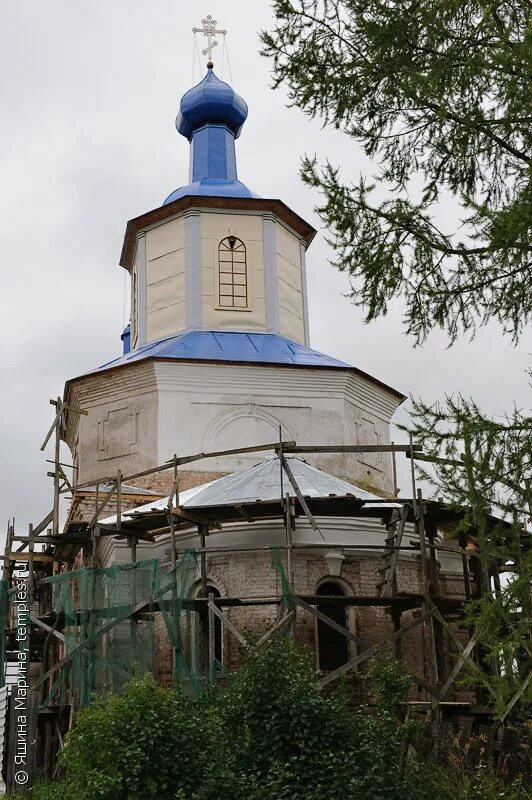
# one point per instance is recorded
(256, 348)
(211, 187)
(211, 117)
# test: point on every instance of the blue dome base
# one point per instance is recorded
(211, 187)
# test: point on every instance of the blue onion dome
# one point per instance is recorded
(211, 102)
(211, 117)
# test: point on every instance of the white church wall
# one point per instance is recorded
(248, 228)
(290, 289)
(140, 415)
(120, 429)
(209, 407)
(165, 279)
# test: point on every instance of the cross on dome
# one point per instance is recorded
(209, 30)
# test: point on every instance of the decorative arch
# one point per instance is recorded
(233, 288)
(234, 417)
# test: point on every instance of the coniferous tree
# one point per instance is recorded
(433, 91)
(437, 92)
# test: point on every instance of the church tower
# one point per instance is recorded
(218, 353)
(216, 256)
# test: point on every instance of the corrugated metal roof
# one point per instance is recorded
(263, 482)
(156, 505)
(239, 346)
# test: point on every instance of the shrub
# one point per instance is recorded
(145, 743)
(273, 734)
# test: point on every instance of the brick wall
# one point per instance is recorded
(252, 576)
(163, 481)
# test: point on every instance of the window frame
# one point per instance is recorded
(221, 306)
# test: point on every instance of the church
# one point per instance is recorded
(230, 483)
(217, 358)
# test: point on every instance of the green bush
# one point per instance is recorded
(273, 734)
(145, 743)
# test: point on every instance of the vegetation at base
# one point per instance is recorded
(273, 734)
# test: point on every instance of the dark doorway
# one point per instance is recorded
(332, 646)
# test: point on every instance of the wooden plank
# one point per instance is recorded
(330, 622)
(212, 642)
(398, 538)
(276, 628)
(26, 557)
(184, 460)
(514, 699)
(354, 662)
(238, 450)
(458, 643)
(351, 448)
(43, 524)
(190, 516)
(302, 501)
(224, 619)
(64, 538)
(100, 507)
(456, 669)
(203, 532)
(39, 624)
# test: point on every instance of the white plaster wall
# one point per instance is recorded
(165, 279)
(120, 429)
(208, 407)
(140, 415)
(289, 281)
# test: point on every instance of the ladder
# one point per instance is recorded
(387, 586)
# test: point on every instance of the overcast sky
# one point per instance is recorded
(89, 94)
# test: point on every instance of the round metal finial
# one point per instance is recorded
(210, 65)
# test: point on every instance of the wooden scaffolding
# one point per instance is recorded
(435, 612)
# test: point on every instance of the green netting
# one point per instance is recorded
(113, 621)
(4, 621)
(286, 590)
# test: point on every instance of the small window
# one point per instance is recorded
(232, 274)
(333, 649)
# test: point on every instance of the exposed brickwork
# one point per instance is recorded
(162, 482)
(83, 506)
(250, 576)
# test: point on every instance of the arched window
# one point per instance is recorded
(333, 648)
(232, 274)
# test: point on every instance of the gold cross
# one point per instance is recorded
(209, 30)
